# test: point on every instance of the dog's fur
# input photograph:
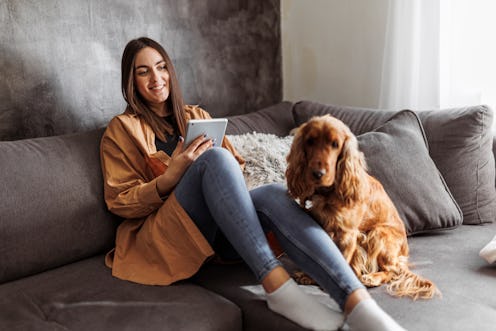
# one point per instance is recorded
(326, 168)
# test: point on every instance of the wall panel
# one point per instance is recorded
(60, 59)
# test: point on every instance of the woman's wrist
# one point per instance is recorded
(165, 184)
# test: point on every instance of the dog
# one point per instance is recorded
(326, 170)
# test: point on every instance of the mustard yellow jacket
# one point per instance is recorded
(157, 243)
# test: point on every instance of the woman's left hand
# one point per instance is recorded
(181, 159)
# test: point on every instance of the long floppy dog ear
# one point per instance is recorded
(351, 172)
(295, 171)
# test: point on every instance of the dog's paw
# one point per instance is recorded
(302, 278)
(371, 280)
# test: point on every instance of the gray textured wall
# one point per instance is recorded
(60, 59)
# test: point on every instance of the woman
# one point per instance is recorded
(182, 203)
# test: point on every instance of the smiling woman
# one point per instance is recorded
(152, 80)
(147, 69)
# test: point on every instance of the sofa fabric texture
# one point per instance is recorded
(51, 206)
(460, 143)
(85, 296)
(276, 119)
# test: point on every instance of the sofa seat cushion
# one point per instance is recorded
(237, 283)
(85, 296)
(467, 283)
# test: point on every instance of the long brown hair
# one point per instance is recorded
(136, 104)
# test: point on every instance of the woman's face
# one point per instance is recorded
(152, 79)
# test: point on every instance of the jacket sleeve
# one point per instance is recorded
(128, 193)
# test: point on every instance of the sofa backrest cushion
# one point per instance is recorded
(412, 179)
(52, 210)
(461, 141)
(460, 144)
(276, 119)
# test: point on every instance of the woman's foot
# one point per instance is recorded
(368, 316)
(294, 304)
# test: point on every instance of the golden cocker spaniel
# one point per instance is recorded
(327, 171)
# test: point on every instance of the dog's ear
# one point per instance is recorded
(351, 172)
(296, 165)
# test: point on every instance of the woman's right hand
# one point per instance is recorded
(181, 159)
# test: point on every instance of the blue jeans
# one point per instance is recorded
(213, 193)
(305, 242)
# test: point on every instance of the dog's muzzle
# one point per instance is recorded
(318, 174)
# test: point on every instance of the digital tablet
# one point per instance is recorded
(212, 128)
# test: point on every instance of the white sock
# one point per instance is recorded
(294, 304)
(489, 251)
(368, 316)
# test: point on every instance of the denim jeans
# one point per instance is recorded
(214, 194)
(305, 242)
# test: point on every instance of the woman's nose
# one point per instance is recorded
(155, 75)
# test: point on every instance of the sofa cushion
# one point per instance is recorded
(51, 202)
(467, 283)
(276, 119)
(85, 296)
(460, 143)
(359, 120)
(397, 155)
(237, 283)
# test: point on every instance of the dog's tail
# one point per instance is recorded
(407, 283)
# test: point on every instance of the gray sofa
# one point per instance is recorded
(55, 230)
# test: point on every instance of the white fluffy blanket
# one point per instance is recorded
(265, 156)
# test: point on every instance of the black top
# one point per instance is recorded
(171, 139)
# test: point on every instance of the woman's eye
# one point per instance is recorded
(163, 68)
(141, 72)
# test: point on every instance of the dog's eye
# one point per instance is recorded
(310, 141)
(334, 144)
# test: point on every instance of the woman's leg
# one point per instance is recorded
(309, 246)
(305, 242)
(213, 192)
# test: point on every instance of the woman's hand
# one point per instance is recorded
(181, 159)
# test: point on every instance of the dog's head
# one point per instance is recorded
(324, 156)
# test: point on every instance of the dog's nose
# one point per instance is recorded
(317, 174)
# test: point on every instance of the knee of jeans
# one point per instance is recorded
(218, 154)
(267, 194)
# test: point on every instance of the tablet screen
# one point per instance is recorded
(213, 128)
